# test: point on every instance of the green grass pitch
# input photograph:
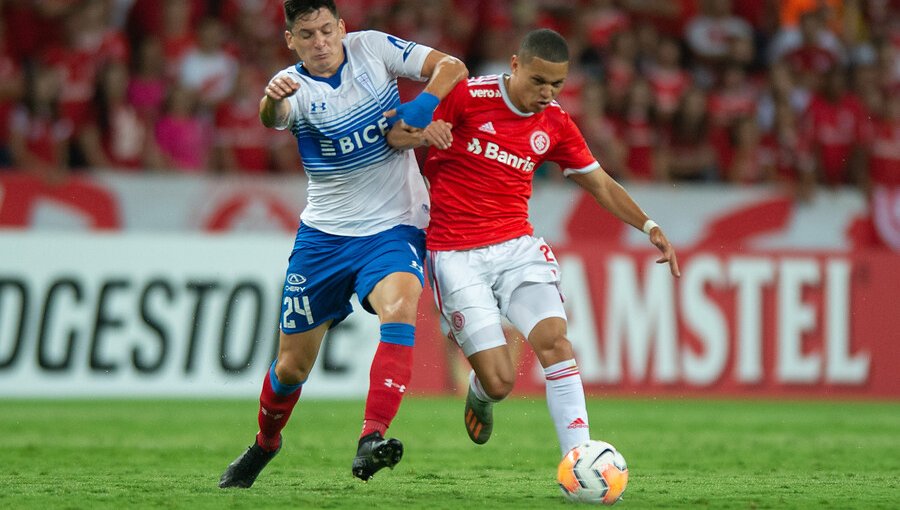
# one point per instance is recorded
(681, 454)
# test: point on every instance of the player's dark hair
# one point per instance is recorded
(544, 44)
(294, 9)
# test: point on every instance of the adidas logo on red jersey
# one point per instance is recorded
(488, 127)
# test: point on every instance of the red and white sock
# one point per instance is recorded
(565, 399)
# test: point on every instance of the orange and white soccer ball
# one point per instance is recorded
(593, 472)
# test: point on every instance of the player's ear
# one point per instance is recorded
(289, 40)
(342, 28)
(514, 63)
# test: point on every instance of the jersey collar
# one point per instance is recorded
(508, 101)
(334, 80)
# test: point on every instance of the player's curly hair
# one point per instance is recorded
(294, 9)
(544, 44)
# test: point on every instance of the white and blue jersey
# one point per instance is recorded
(366, 202)
(358, 184)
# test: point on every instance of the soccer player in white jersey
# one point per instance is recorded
(361, 231)
(489, 135)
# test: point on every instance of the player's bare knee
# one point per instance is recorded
(396, 298)
(498, 386)
(402, 309)
(553, 348)
(290, 372)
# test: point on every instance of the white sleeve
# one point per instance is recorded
(292, 100)
(400, 57)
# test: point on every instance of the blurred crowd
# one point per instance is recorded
(803, 92)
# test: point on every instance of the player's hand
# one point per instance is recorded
(658, 238)
(438, 134)
(281, 87)
(403, 137)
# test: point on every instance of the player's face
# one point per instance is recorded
(533, 85)
(316, 38)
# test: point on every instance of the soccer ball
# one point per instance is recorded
(593, 472)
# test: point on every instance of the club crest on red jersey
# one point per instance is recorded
(540, 142)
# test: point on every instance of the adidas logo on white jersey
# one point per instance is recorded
(488, 127)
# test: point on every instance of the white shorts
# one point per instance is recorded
(474, 289)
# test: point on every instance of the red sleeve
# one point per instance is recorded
(570, 151)
(451, 108)
(865, 127)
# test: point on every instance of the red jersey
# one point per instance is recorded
(811, 59)
(480, 186)
(668, 85)
(832, 129)
(238, 129)
(79, 67)
(602, 25)
(639, 137)
(885, 158)
(726, 106)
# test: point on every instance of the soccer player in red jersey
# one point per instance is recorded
(488, 136)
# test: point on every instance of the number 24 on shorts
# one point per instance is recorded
(292, 305)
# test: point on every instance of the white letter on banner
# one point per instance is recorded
(582, 327)
(703, 316)
(794, 319)
(630, 318)
(750, 276)
(840, 367)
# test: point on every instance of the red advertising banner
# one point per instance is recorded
(23, 198)
(777, 298)
(735, 324)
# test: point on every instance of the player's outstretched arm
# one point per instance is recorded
(613, 197)
(273, 109)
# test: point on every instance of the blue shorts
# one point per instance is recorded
(324, 270)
